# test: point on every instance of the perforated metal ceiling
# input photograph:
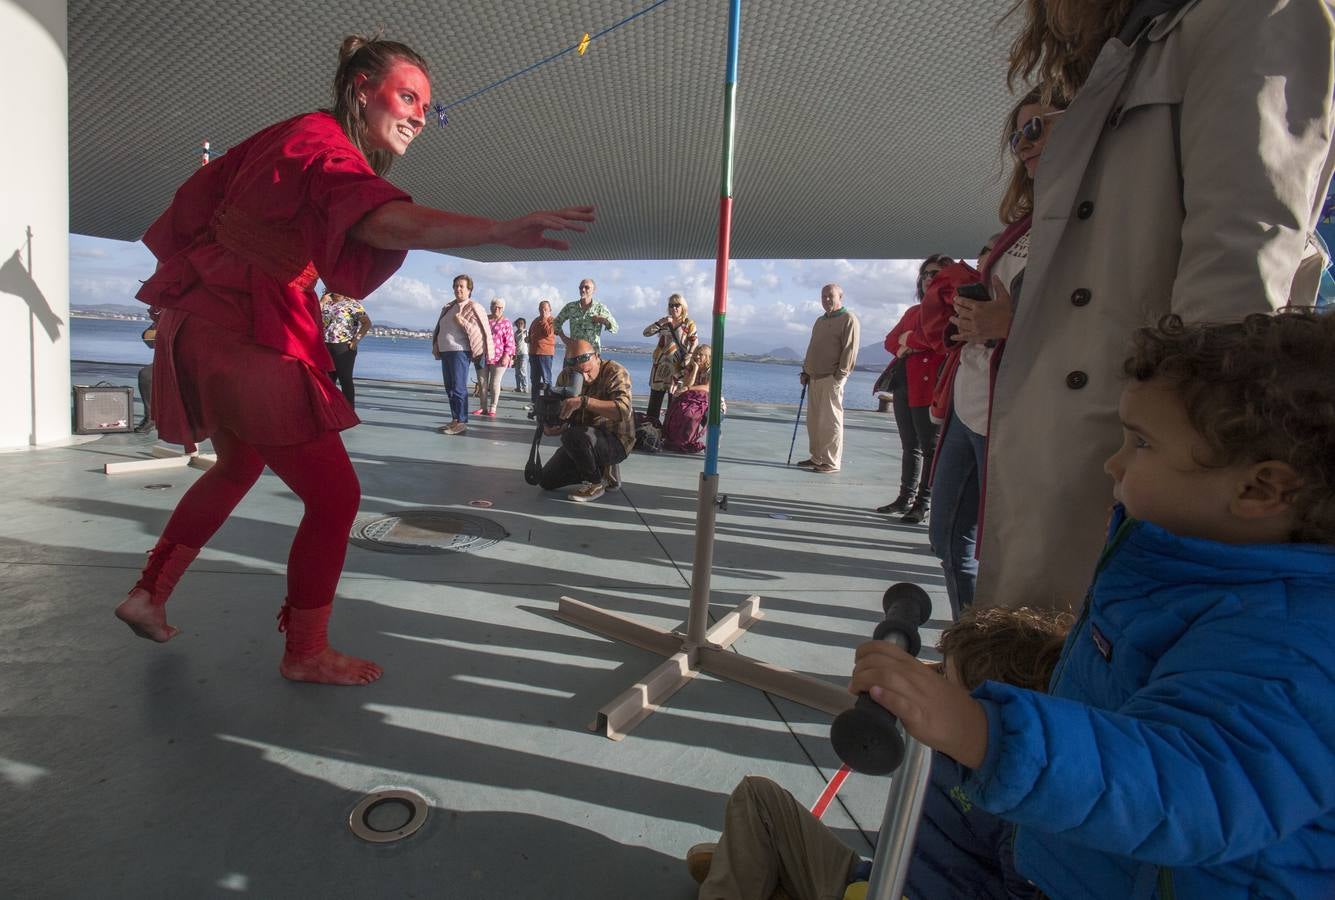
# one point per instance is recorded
(866, 128)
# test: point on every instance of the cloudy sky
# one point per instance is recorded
(771, 303)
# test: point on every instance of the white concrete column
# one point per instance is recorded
(34, 200)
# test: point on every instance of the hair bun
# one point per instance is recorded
(355, 42)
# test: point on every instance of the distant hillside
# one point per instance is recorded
(784, 353)
(118, 310)
(873, 356)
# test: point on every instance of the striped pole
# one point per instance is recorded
(704, 513)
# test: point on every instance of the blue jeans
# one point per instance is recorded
(454, 366)
(953, 527)
(540, 372)
(521, 373)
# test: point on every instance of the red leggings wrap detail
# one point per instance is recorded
(167, 562)
(318, 472)
(307, 629)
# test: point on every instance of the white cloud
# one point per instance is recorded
(89, 290)
(409, 293)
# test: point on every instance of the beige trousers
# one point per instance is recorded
(491, 392)
(825, 420)
(770, 841)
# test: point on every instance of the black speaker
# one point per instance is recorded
(103, 409)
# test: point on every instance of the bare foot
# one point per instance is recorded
(329, 667)
(146, 619)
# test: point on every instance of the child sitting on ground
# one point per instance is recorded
(1187, 746)
(772, 847)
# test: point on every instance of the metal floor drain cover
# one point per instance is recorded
(386, 816)
(426, 531)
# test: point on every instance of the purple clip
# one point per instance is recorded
(440, 115)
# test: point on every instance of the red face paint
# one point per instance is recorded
(396, 108)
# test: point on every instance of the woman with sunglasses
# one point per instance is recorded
(972, 332)
(1184, 178)
(676, 342)
(240, 358)
(911, 381)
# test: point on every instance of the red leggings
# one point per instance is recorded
(319, 472)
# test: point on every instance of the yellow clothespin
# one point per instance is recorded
(583, 44)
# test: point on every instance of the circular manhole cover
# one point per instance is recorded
(426, 531)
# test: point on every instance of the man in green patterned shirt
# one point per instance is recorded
(587, 318)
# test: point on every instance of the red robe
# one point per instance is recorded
(240, 343)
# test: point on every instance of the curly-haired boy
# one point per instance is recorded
(773, 848)
(1187, 746)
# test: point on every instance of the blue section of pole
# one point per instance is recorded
(734, 38)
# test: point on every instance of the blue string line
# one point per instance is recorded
(554, 56)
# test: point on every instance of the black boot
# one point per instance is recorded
(900, 504)
(919, 511)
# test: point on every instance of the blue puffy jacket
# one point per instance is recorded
(1187, 747)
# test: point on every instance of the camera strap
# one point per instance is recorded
(533, 468)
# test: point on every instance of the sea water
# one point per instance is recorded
(409, 359)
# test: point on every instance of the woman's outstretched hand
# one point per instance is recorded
(529, 232)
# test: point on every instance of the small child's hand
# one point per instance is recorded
(937, 712)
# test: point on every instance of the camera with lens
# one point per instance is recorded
(547, 407)
(547, 411)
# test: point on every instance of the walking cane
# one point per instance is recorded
(796, 422)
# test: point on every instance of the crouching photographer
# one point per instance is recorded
(589, 408)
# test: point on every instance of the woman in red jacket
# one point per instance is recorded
(240, 356)
(911, 383)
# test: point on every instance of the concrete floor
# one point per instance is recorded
(191, 769)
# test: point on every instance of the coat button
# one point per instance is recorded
(1084, 210)
(1076, 380)
(1079, 297)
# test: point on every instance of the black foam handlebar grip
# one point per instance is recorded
(866, 737)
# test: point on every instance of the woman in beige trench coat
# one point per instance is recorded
(1186, 178)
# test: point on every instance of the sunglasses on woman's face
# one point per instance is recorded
(674, 306)
(572, 361)
(1032, 130)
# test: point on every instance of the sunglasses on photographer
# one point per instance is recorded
(572, 361)
(1032, 130)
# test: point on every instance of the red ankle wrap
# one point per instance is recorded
(167, 562)
(307, 629)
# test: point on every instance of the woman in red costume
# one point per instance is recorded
(240, 356)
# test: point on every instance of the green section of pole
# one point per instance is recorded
(729, 125)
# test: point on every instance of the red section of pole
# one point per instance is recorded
(724, 255)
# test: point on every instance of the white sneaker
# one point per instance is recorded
(587, 494)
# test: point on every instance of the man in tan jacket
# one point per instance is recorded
(831, 355)
(1185, 178)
